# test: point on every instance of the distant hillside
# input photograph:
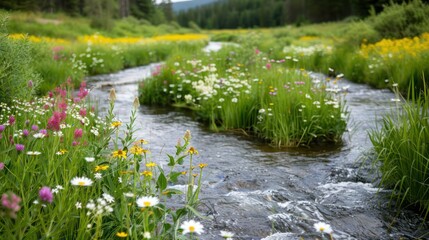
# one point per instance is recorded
(183, 6)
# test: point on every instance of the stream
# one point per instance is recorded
(260, 192)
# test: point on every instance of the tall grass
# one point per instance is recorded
(401, 145)
(240, 88)
(18, 77)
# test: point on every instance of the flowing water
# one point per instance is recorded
(260, 192)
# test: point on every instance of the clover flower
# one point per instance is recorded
(46, 195)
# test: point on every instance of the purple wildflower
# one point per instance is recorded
(19, 147)
(45, 194)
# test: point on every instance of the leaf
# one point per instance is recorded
(180, 160)
(161, 183)
(171, 162)
(170, 191)
(174, 176)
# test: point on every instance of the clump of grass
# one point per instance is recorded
(240, 88)
(66, 172)
(402, 150)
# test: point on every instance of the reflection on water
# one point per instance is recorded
(257, 191)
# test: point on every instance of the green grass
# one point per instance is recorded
(238, 88)
(401, 146)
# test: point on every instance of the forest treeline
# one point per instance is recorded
(219, 15)
(270, 13)
(102, 12)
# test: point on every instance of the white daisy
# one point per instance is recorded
(147, 201)
(323, 227)
(33, 153)
(81, 181)
(192, 226)
(108, 198)
(227, 235)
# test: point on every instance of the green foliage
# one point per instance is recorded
(240, 88)
(401, 145)
(16, 67)
(402, 20)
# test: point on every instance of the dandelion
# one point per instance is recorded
(122, 234)
(120, 154)
(143, 202)
(323, 227)
(227, 235)
(45, 194)
(81, 181)
(192, 226)
(202, 165)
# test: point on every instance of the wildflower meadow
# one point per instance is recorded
(67, 172)
(72, 170)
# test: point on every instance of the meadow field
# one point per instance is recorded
(69, 172)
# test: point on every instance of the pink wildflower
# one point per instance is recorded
(10, 201)
(45, 194)
(78, 133)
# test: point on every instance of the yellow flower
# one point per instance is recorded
(151, 164)
(147, 173)
(184, 172)
(136, 150)
(192, 151)
(142, 141)
(202, 165)
(122, 234)
(101, 168)
(120, 154)
(116, 124)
